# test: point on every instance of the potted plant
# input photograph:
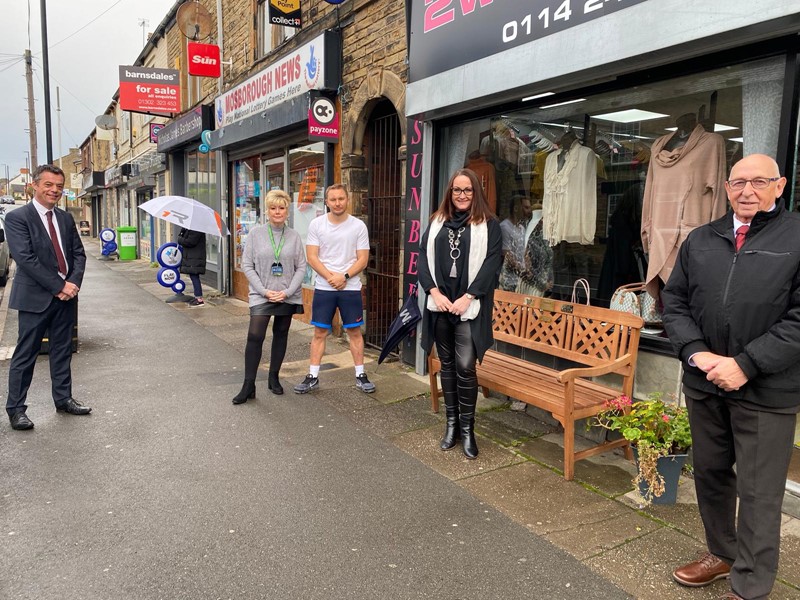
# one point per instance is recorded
(660, 436)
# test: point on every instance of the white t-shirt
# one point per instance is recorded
(338, 245)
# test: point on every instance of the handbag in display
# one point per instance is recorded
(576, 287)
(635, 299)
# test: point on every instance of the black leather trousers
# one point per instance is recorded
(457, 354)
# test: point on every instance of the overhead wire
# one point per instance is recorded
(83, 27)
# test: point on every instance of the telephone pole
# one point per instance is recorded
(31, 109)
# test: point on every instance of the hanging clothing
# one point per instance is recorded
(570, 196)
(685, 188)
(485, 172)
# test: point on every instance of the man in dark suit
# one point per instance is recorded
(732, 311)
(50, 263)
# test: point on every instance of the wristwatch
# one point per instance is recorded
(346, 275)
(469, 296)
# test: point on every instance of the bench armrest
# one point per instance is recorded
(570, 374)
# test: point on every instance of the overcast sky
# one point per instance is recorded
(84, 66)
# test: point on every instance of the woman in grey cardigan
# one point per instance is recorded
(274, 262)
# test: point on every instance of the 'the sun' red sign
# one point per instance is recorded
(204, 60)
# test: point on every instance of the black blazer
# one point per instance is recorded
(37, 281)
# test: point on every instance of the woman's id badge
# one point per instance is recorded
(277, 269)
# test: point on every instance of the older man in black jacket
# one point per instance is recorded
(732, 311)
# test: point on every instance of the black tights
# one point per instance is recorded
(255, 343)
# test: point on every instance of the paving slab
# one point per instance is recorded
(397, 418)
(423, 444)
(578, 520)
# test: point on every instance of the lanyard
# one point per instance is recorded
(276, 251)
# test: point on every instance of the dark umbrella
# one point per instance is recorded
(404, 323)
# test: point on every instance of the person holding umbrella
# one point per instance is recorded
(194, 261)
(461, 254)
(274, 262)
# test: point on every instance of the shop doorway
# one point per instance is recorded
(383, 203)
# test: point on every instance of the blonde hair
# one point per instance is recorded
(277, 197)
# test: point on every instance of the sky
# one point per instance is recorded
(84, 65)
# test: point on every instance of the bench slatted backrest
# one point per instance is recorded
(583, 334)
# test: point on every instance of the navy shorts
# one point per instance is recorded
(325, 303)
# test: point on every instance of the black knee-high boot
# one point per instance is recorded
(274, 383)
(467, 421)
(248, 391)
(451, 430)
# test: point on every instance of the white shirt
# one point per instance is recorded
(338, 246)
(43, 210)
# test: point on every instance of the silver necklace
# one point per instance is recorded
(455, 251)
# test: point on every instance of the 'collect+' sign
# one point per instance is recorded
(285, 12)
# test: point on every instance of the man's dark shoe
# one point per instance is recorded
(74, 408)
(705, 570)
(20, 422)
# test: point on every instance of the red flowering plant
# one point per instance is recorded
(654, 427)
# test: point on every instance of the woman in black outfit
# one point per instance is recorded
(459, 263)
(193, 262)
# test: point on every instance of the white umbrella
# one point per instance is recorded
(187, 213)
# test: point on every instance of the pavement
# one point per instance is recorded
(169, 491)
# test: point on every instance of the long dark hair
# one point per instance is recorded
(479, 210)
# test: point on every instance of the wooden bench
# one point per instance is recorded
(603, 341)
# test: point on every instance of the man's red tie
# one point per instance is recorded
(62, 264)
(740, 233)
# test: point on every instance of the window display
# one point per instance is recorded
(613, 182)
(201, 185)
(246, 205)
(307, 189)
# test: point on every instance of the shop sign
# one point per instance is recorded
(76, 180)
(149, 90)
(290, 76)
(203, 59)
(285, 12)
(412, 220)
(155, 129)
(185, 129)
(474, 29)
(323, 120)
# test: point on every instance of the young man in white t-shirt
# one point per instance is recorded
(337, 248)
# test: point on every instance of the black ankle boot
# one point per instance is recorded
(248, 391)
(274, 384)
(452, 431)
(467, 422)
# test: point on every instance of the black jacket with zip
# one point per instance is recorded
(744, 305)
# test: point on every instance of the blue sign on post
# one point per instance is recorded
(170, 256)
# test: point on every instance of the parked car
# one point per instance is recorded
(7, 200)
(5, 256)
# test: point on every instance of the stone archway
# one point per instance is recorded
(380, 83)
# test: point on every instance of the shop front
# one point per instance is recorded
(146, 182)
(603, 156)
(92, 191)
(194, 174)
(262, 132)
(116, 181)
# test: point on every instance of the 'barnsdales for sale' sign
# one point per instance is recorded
(475, 29)
(285, 12)
(148, 90)
(288, 77)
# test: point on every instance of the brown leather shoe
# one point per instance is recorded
(703, 571)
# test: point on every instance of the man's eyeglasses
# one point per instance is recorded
(759, 183)
(458, 191)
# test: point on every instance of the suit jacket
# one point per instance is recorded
(37, 280)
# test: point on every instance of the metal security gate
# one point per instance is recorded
(383, 211)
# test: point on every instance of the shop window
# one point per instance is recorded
(307, 189)
(269, 36)
(606, 187)
(201, 184)
(246, 210)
